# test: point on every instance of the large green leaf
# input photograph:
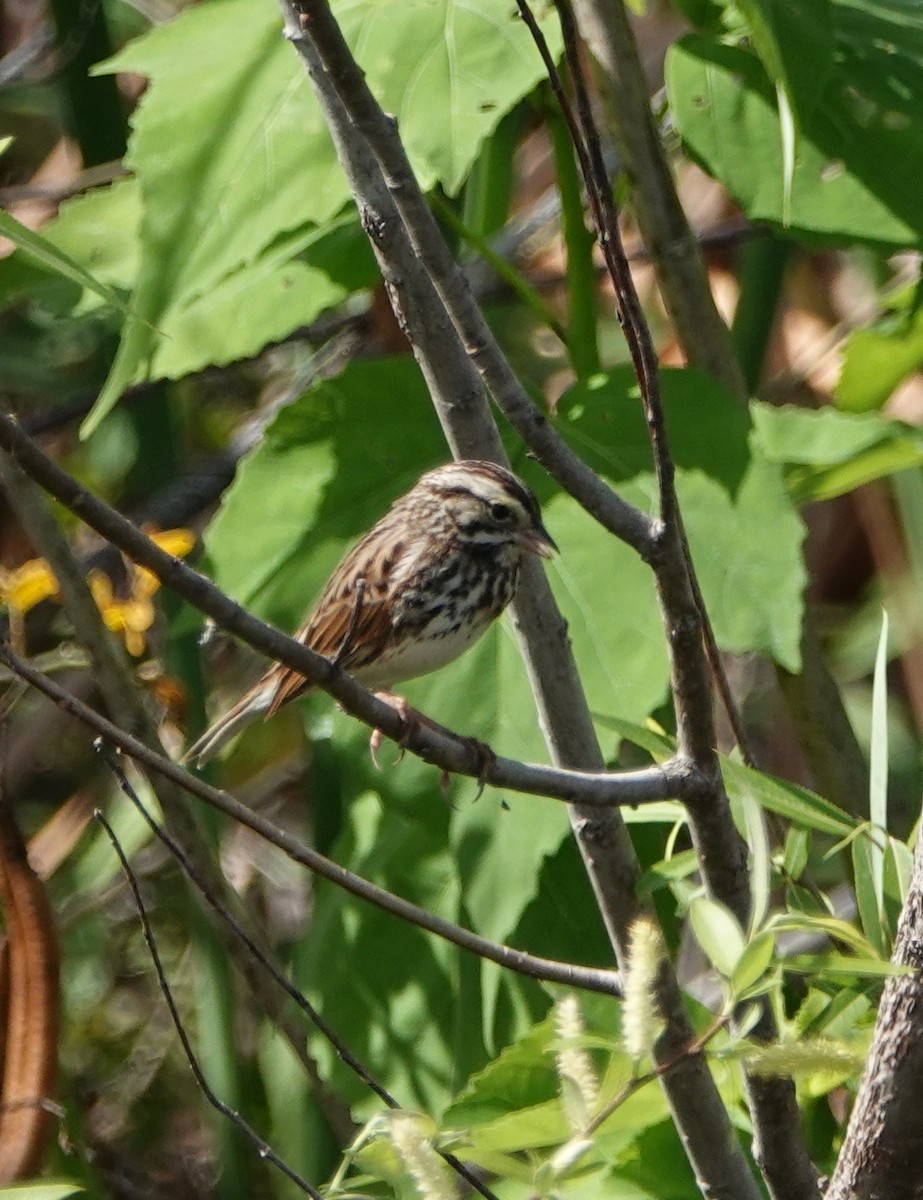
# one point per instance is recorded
(231, 151)
(826, 453)
(325, 471)
(44, 252)
(795, 44)
(744, 533)
(878, 358)
(859, 141)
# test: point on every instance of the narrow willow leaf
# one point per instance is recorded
(760, 858)
(840, 965)
(56, 260)
(878, 768)
(719, 934)
(834, 928)
(797, 849)
(753, 963)
(797, 804)
(863, 851)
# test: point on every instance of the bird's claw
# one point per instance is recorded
(410, 718)
(482, 757)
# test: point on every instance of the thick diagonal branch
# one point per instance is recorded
(599, 788)
(778, 1143)
(589, 978)
(413, 249)
(125, 700)
(883, 1151)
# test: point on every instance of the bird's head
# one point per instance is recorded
(491, 506)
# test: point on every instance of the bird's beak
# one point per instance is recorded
(538, 541)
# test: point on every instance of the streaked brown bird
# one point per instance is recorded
(415, 592)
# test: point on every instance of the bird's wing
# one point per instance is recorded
(352, 621)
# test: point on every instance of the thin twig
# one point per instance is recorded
(340, 1048)
(658, 1071)
(587, 978)
(778, 1144)
(263, 1148)
(588, 147)
(671, 780)
(681, 273)
(362, 127)
(93, 177)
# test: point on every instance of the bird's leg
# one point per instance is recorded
(482, 756)
(408, 714)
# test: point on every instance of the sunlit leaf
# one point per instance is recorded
(719, 934)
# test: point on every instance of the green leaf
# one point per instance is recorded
(878, 771)
(797, 850)
(835, 1016)
(753, 963)
(240, 315)
(100, 231)
(748, 557)
(415, 1018)
(668, 870)
(870, 911)
(45, 252)
(293, 1114)
(834, 928)
(827, 453)
(521, 1076)
(232, 154)
(797, 804)
(858, 142)
(877, 359)
(46, 1190)
(719, 934)
(649, 737)
(898, 871)
(760, 860)
(794, 42)
(97, 864)
(839, 966)
(730, 498)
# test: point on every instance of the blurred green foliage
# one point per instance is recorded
(233, 231)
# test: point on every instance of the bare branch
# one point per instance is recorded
(602, 838)
(778, 1144)
(883, 1151)
(379, 131)
(342, 1051)
(263, 1148)
(588, 978)
(672, 780)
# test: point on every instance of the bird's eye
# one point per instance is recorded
(501, 512)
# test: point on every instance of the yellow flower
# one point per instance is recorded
(27, 585)
(130, 615)
(172, 541)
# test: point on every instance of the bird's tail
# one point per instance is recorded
(254, 703)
